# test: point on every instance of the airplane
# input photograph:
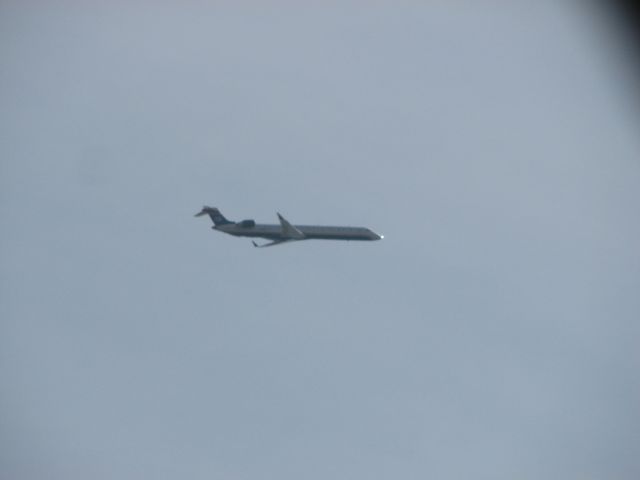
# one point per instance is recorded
(285, 231)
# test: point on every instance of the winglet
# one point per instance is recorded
(288, 230)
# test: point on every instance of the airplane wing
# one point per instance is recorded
(270, 244)
(289, 231)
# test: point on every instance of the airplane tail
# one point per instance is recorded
(214, 213)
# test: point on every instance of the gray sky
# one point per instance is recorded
(493, 333)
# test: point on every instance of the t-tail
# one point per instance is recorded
(214, 213)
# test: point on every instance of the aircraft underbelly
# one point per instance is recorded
(274, 232)
(337, 233)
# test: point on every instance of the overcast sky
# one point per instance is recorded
(493, 333)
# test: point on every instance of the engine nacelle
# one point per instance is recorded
(247, 223)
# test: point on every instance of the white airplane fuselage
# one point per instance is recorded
(274, 232)
(285, 231)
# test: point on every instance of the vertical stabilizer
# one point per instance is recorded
(215, 214)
